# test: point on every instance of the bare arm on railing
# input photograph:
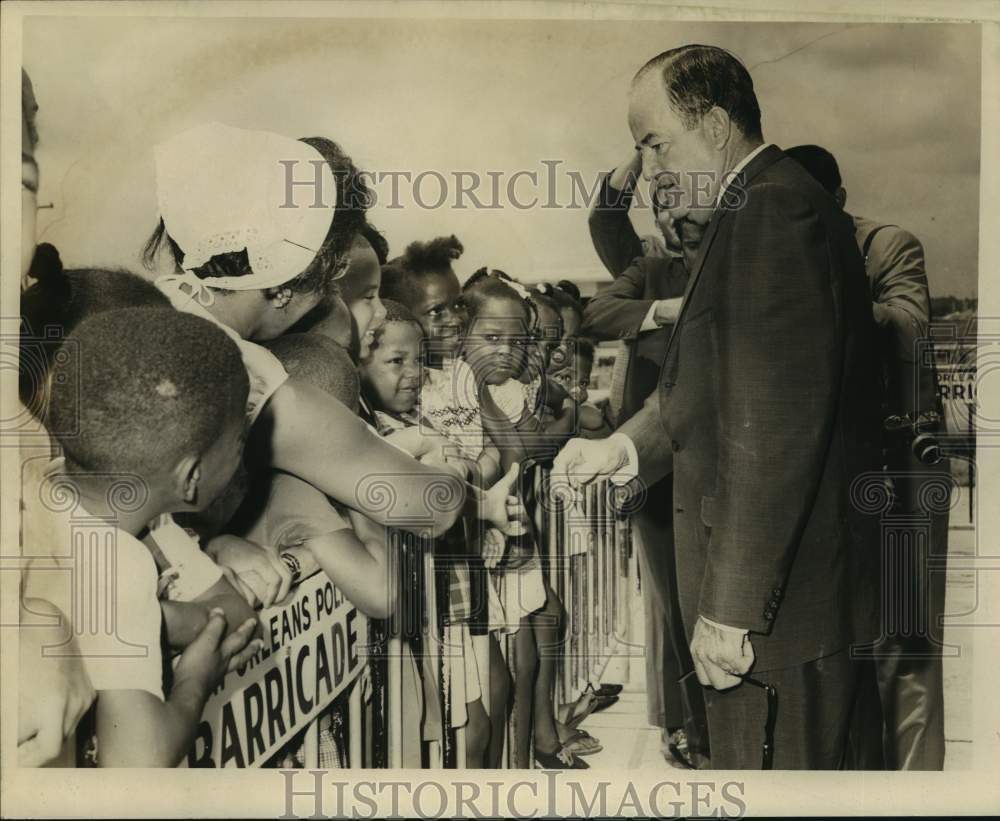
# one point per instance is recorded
(311, 435)
(529, 437)
(185, 620)
(294, 517)
(137, 729)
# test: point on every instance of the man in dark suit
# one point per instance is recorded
(768, 413)
(639, 308)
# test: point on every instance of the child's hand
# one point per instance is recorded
(259, 570)
(210, 656)
(502, 508)
(493, 546)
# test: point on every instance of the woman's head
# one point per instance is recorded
(498, 334)
(423, 278)
(360, 291)
(391, 373)
(276, 308)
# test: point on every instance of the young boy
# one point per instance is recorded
(147, 405)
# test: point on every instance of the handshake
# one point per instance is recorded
(582, 461)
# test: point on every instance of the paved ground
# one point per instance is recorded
(629, 741)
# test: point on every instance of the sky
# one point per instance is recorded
(899, 106)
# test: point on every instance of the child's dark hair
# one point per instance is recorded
(563, 298)
(401, 276)
(398, 312)
(57, 302)
(377, 241)
(134, 389)
(542, 295)
(395, 312)
(321, 362)
(348, 219)
(584, 347)
(570, 289)
(492, 283)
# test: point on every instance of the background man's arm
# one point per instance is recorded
(611, 230)
(899, 284)
(618, 310)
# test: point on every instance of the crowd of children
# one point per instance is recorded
(221, 427)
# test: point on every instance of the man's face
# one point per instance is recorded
(683, 165)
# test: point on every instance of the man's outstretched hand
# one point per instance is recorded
(720, 655)
(581, 461)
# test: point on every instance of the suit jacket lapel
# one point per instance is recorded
(767, 157)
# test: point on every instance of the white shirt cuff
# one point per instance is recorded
(627, 472)
(674, 306)
(725, 626)
(649, 323)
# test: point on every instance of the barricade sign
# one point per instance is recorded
(314, 647)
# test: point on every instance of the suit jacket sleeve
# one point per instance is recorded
(899, 285)
(779, 355)
(611, 230)
(902, 311)
(617, 311)
(652, 444)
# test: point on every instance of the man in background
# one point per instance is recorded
(908, 660)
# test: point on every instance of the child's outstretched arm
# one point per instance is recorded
(311, 435)
(184, 620)
(529, 438)
(136, 729)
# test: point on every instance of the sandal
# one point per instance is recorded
(578, 710)
(603, 702)
(600, 701)
(580, 742)
(561, 759)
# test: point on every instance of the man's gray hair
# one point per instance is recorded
(697, 78)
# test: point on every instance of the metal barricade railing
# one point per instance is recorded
(313, 656)
(284, 693)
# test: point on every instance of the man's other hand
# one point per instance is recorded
(721, 655)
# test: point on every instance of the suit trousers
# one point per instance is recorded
(669, 704)
(824, 707)
(910, 673)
